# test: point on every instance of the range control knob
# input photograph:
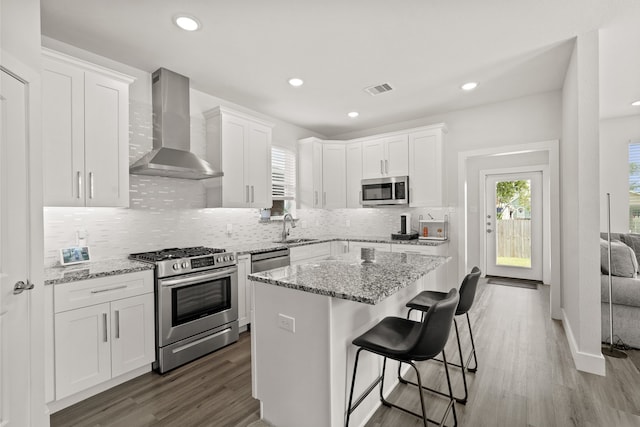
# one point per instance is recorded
(219, 259)
(176, 266)
(230, 257)
(226, 258)
(185, 264)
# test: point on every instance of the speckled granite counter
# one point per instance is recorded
(254, 248)
(92, 270)
(347, 277)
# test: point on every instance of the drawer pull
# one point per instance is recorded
(97, 291)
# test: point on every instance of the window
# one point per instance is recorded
(283, 180)
(634, 187)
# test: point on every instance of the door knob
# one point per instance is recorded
(21, 287)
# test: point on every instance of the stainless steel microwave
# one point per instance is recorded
(393, 190)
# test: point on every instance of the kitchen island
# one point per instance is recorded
(306, 316)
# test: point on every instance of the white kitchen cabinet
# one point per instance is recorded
(244, 290)
(243, 145)
(436, 280)
(339, 247)
(85, 131)
(354, 174)
(426, 177)
(322, 170)
(334, 191)
(386, 156)
(104, 328)
(355, 246)
(309, 253)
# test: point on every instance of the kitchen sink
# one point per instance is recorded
(295, 241)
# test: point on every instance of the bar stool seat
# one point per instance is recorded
(426, 299)
(408, 341)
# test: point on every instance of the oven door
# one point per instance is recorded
(194, 303)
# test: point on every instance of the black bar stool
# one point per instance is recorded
(424, 300)
(407, 341)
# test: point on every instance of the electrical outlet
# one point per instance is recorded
(229, 229)
(287, 323)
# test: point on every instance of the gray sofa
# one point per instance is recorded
(625, 291)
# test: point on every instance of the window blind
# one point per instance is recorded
(283, 174)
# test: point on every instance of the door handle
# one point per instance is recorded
(246, 198)
(21, 286)
(382, 167)
(79, 175)
(104, 327)
(117, 314)
(91, 185)
(252, 194)
(386, 166)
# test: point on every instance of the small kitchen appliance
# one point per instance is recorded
(405, 229)
(196, 302)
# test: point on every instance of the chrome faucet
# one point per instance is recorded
(285, 232)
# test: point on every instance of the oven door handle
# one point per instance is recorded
(197, 279)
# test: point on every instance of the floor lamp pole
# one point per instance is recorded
(610, 350)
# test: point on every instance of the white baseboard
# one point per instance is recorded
(586, 362)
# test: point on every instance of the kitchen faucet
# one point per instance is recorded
(285, 233)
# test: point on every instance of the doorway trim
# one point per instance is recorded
(552, 148)
(546, 232)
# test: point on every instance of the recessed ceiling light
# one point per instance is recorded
(353, 114)
(636, 103)
(469, 86)
(296, 82)
(187, 23)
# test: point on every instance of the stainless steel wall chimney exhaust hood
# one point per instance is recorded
(170, 156)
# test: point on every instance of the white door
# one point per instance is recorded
(15, 327)
(513, 228)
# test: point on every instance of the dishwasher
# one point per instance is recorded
(269, 260)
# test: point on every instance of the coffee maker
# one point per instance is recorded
(405, 232)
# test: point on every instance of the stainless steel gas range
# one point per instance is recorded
(196, 302)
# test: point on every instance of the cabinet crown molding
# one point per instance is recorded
(220, 110)
(63, 57)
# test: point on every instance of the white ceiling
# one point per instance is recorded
(246, 51)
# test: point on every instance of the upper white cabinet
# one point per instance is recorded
(426, 177)
(388, 156)
(85, 131)
(354, 174)
(243, 144)
(321, 174)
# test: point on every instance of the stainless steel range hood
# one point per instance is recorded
(170, 156)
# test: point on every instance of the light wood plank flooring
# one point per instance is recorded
(526, 378)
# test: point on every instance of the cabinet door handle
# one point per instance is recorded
(360, 196)
(117, 314)
(315, 202)
(104, 327)
(252, 194)
(386, 166)
(91, 185)
(381, 167)
(79, 175)
(97, 291)
(246, 194)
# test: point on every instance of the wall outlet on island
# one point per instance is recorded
(287, 323)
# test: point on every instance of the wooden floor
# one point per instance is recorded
(526, 378)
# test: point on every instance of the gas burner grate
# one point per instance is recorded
(175, 253)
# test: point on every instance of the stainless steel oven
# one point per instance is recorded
(196, 305)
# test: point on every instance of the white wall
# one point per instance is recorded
(580, 210)
(615, 136)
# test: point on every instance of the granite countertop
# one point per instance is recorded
(348, 277)
(92, 270)
(256, 248)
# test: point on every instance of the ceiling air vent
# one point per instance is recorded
(378, 89)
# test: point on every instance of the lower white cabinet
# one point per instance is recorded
(307, 253)
(355, 246)
(244, 290)
(105, 333)
(436, 280)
